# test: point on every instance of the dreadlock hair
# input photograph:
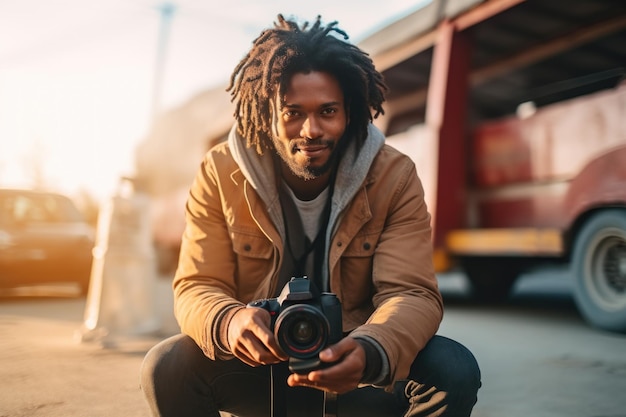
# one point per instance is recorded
(286, 49)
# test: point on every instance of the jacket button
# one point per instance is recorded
(339, 243)
(366, 246)
(247, 247)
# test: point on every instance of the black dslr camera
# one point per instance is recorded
(304, 322)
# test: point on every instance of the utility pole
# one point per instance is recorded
(166, 11)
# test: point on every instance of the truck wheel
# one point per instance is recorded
(599, 270)
(491, 278)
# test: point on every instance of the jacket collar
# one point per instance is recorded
(352, 172)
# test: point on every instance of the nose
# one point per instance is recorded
(311, 128)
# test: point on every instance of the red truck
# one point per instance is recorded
(515, 113)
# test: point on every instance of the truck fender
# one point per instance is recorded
(601, 183)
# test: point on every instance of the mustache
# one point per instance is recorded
(300, 142)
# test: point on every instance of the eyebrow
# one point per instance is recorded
(324, 105)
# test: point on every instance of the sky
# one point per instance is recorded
(80, 79)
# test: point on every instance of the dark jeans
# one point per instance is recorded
(179, 381)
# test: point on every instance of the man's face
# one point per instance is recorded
(309, 121)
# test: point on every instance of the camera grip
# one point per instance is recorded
(271, 305)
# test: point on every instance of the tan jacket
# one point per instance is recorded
(379, 259)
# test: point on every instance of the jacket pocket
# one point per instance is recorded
(254, 263)
(362, 245)
(356, 272)
(252, 246)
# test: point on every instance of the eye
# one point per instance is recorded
(290, 114)
(329, 111)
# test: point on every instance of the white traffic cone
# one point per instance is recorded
(121, 297)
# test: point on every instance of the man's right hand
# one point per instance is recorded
(251, 340)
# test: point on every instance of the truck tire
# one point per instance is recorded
(491, 278)
(599, 270)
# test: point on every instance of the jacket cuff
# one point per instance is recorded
(376, 362)
(220, 328)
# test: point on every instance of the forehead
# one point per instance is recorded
(314, 86)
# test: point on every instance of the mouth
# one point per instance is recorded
(310, 149)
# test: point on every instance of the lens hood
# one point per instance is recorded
(302, 331)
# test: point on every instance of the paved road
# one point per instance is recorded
(45, 371)
(538, 357)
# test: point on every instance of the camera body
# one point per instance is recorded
(304, 322)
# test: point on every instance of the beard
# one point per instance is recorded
(307, 171)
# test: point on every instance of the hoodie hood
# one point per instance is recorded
(259, 172)
(351, 172)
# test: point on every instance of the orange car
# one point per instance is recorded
(43, 239)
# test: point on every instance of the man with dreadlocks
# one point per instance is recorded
(305, 186)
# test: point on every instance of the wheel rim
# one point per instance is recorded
(606, 269)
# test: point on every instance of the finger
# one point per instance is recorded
(241, 353)
(250, 350)
(335, 352)
(257, 351)
(250, 338)
(341, 377)
(302, 381)
(262, 331)
(267, 339)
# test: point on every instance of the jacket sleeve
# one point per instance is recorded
(408, 307)
(204, 284)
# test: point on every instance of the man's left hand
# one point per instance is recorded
(341, 377)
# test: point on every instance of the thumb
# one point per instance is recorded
(338, 350)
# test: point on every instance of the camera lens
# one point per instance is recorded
(302, 331)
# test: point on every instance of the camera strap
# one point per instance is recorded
(330, 404)
(278, 397)
(298, 246)
(278, 394)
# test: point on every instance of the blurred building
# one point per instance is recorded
(168, 159)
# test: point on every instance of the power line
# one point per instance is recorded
(167, 11)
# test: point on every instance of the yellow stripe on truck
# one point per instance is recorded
(503, 242)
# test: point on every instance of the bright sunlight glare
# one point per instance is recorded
(79, 80)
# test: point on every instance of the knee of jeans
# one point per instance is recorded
(148, 367)
(448, 365)
(156, 363)
(467, 372)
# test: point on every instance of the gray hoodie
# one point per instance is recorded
(352, 171)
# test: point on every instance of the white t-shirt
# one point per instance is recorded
(310, 211)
